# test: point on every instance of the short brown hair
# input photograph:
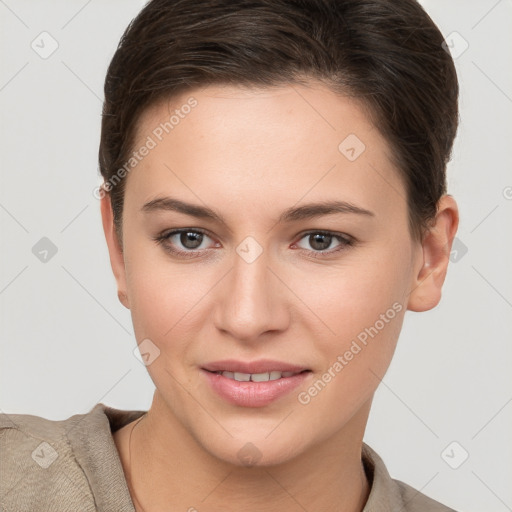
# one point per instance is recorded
(387, 53)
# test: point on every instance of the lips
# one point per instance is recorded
(256, 377)
(254, 384)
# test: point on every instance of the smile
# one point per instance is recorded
(244, 389)
(256, 377)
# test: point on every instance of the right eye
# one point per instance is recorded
(183, 242)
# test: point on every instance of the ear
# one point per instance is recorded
(114, 248)
(435, 248)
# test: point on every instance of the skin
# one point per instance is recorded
(249, 155)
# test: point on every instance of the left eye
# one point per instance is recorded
(321, 241)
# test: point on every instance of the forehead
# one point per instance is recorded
(263, 144)
(240, 113)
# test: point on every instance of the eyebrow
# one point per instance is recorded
(307, 211)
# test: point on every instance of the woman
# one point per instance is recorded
(274, 201)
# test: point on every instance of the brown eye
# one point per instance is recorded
(190, 239)
(321, 243)
(184, 242)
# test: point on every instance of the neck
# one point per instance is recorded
(176, 470)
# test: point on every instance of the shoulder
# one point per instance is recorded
(61, 464)
(389, 495)
(38, 466)
(415, 501)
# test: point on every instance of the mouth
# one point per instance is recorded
(254, 384)
(257, 377)
(260, 367)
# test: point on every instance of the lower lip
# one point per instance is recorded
(253, 394)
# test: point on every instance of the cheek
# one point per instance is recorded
(361, 308)
(161, 294)
(353, 296)
(355, 358)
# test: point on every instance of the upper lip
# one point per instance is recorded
(261, 366)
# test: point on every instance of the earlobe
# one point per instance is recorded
(123, 299)
(430, 274)
(115, 250)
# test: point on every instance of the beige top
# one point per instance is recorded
(73, 465)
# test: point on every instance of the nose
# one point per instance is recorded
(252, 300)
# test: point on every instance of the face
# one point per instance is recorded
(266, 232)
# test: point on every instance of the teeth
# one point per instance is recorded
(260, 377)
(256, 377)
(242, 377)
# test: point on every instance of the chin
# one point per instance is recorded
(257, 453)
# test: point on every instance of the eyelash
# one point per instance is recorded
(345, 242)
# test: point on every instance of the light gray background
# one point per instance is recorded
(66, 341)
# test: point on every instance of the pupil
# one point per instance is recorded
(317, 243)
(194, 239)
